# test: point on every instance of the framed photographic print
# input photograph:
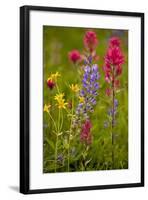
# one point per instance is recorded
(81, 99)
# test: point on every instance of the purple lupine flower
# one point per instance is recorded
(112, 111)
(116, 103)
(89, 91)
(88, 60)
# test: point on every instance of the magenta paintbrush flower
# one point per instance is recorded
(74, 56)
(85, 135)
(114, 41)
(114, 60)
(114, 56)
(90, 40)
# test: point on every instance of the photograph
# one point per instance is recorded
(85, 99)
(82, 99)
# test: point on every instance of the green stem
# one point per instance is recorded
(61, 121)
(56, 144)
(70, 135)
(113, 118)
(53, 121)
(56, 130)
(56, 151)
(57, 88)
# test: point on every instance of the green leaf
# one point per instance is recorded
(51, 144)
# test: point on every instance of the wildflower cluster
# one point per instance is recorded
(89, 87)
(51, 81)
(90, 41)
(87, 99)
(60, 101)
(72, 121)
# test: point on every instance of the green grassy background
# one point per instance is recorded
(57, 42)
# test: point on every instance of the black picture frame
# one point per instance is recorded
(25, 105)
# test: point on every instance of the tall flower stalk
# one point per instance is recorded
(87, 94)
(70, 132)
(114, 60)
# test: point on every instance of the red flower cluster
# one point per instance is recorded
(90, 40)
(114, 41)
(114, 57)
(113, 62)
(74, 56)
(90, 43)
(51, 84)
(85, 135)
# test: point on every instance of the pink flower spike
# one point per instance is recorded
(114, 41)
(90, 40)
(114, 60)
(85, 132)
(114, 56)
(74, 56)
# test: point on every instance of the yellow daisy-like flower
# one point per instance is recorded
(59, 97)
(46, 108)
(60, 100)
(54, 77)
(81, 99)
(74, 88)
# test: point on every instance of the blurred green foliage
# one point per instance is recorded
(57, 42)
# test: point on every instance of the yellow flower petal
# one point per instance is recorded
(54, 77)
(46, 108)
(74, 88)
(60, 101)
(59, 97)
(81, 99)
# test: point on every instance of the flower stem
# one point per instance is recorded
(70, 135)
(56, 151)
(61, 121)
(113, 118)
(68, 156)
(56, 143)
(53, 121)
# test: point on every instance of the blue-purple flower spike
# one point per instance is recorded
(112, 112)
(89, 91)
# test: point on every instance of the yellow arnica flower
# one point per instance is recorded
(46, 108)
(74, 88)
(54, 77)
(59, 96)
(60, 100)
(81, 99)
